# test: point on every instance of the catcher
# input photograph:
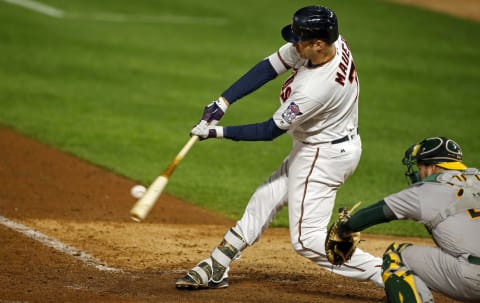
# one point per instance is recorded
(445, 197)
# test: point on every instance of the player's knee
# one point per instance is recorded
(392, 257)
(401, 285)
(305, 244)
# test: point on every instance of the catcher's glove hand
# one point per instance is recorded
(340, 245)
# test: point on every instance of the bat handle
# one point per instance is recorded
(355, 207)
(181, 154)
(187, 146)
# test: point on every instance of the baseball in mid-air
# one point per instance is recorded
(138, 191)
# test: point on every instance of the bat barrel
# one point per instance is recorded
(143, 206)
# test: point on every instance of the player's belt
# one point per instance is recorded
(343, 139)
(346, 138)
(474, 260)
(336, 141)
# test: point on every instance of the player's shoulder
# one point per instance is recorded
(461, 175)
(287, 54)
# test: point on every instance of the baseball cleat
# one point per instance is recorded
(190, 283)
(204, 276)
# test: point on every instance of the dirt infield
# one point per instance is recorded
(86, 207)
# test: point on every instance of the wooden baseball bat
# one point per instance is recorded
(143, 206)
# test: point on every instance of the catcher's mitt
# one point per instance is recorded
(340, 248)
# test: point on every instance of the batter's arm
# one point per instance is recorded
(264, 131)
(251, 81)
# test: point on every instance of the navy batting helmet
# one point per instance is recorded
(312, 22)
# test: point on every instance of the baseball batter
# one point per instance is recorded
(319, 110)
(447, 201)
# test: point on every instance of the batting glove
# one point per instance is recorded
(213, 112)
(204, 131)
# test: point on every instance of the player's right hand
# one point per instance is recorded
(213, 112)
(205, 131)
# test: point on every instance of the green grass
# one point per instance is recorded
(124, 95)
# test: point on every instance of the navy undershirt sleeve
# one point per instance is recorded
(252, 80)
(264, 131)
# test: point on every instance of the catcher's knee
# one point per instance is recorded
(401, 285)
(392, 257)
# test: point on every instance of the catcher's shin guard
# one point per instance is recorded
(213, 272)
(401, 284)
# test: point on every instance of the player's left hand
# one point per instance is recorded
(213, 112)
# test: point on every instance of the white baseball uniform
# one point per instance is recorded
(319, 109)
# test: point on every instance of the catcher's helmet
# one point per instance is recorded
(441, 151)
(312, 22)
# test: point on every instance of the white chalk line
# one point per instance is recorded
(115, 17)
(38, 7)
(55, 244)
(166, 19)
